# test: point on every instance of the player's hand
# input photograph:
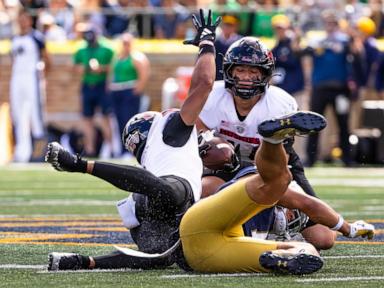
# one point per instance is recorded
(205, 31)
(202, 139)
(234, 165)
(361, 229)
(63, 160)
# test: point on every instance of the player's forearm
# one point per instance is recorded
(202, 81)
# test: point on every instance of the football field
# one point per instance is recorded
(42, 210)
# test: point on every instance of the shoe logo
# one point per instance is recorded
(281, 263)
(285, 122)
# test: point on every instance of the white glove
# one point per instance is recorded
(361, 228)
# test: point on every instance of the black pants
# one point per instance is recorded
(160, 204)
(321, 98)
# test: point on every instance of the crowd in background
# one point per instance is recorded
(169, 18)
(346, 59)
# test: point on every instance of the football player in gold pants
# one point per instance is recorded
(211, 231)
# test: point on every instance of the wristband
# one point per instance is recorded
(339, 224)
(206, 48)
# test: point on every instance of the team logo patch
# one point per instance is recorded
(240, 129)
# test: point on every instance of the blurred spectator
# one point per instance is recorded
(93, 62)
(261, 25)
(331, 83)
(34, 7)
(309, 16)
(245, 15)
(129, 77)
(145, 27)
(64, 16)
(228, 35)
(377, 16)
(51, 31)
(6, 21)
(117, 19)
(90, 11)
(289, 71)
(354, 10)
(29, 58)
(379, 81)
(171, 22)
(367, 45)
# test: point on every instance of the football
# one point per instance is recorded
(219, 153)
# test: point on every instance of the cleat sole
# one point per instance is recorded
(296, 265)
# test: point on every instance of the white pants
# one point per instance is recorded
(27, 114)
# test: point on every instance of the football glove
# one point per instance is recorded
(361, 228)
(202, 139)
(235, 163)
(205, 31)
(62, 160)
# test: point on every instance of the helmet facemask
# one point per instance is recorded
(241, 88)
(248, 51)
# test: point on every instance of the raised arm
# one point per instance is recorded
(204, 73)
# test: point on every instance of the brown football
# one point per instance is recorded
(220, 153)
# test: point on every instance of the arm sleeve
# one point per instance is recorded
(176, 133)
(39, 39)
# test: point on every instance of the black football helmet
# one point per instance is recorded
(136, 131)
(248, 51)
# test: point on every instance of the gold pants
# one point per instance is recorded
(212, 235)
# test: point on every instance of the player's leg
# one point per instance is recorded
(210, 229)
(37, 120)
(88, 110)
(106, 128)
(167, 194)
(21, 115)
(210, 185)
(115, 260)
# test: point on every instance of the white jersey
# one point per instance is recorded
(162, 159)
(26, 53)
(219, 113)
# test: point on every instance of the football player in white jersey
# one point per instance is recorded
(235, 108)
(29, 57)
(166, 146)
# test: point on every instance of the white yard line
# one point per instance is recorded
(177, 276)
(341, 279)
(61, 202)
(19, 266)
(353, 256)
(359, 182)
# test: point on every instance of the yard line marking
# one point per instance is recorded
(353, 256)
(177, 276)
(360, 243)
(61, 202)
(18, 266)
(89, 271)
(347, 182)
(341, 279)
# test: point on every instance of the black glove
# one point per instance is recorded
(205, 31)
(62, 160)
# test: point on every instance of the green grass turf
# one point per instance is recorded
(38, 190)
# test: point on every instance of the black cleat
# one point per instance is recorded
(64, 261)
(298, 264)
(299, 123)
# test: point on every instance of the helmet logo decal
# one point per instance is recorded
(132, 140)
